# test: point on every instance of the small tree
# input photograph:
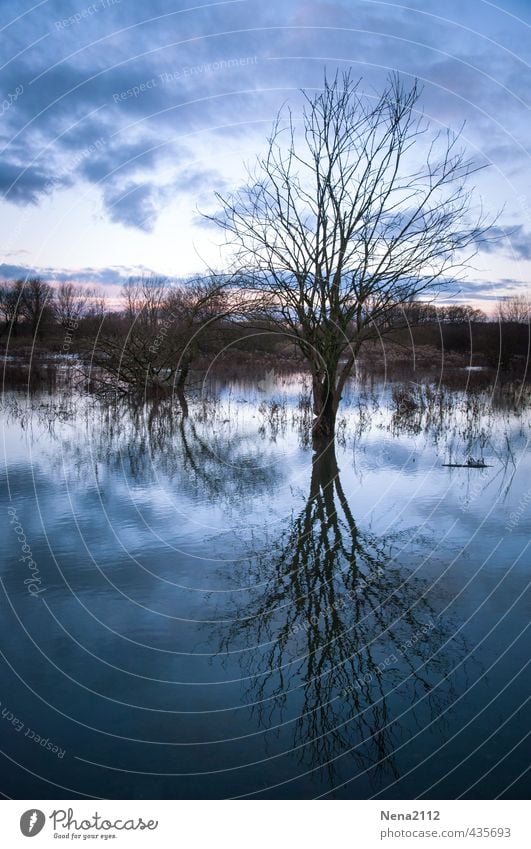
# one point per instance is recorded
(161, 332)
(346, 218)
(37, 299)
(72, 303)
(144, 299)
(460, 314)
(10, 305)
(514, 309)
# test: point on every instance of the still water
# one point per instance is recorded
(192, 608)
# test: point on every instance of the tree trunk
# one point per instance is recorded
(325, 476)
(179, 387)
(325, 404)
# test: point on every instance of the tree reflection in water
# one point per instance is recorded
(341, 651)
(202, 455)
(339, 639)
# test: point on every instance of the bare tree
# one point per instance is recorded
(37, 299)
(160, 334)
(10, 305)
(460, 314)
(96, 304)
(71, 303)
(357, 211)
(515, 309)
(144, 299)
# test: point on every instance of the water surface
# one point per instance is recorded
(201, 611)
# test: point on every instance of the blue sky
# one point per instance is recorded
(120, 119)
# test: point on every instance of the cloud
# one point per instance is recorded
(112, 160)
(148, 81)
(514, 241)
(136, 205)
(464, 291)
(199, 182)
(24, 186)
(110, 276)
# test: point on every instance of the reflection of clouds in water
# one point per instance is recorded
(216, 533)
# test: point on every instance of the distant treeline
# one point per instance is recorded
(501, 341)
(34, 309)
(163, 329)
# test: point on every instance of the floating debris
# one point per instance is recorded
(470, 464)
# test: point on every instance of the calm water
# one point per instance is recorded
(194, 609)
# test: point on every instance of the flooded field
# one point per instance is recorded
(201, 607)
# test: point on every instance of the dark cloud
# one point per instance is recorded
(136, 205)
(24, 185)
(111, 161)
(113, 92)
(111, 276)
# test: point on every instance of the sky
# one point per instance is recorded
(120, 119)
